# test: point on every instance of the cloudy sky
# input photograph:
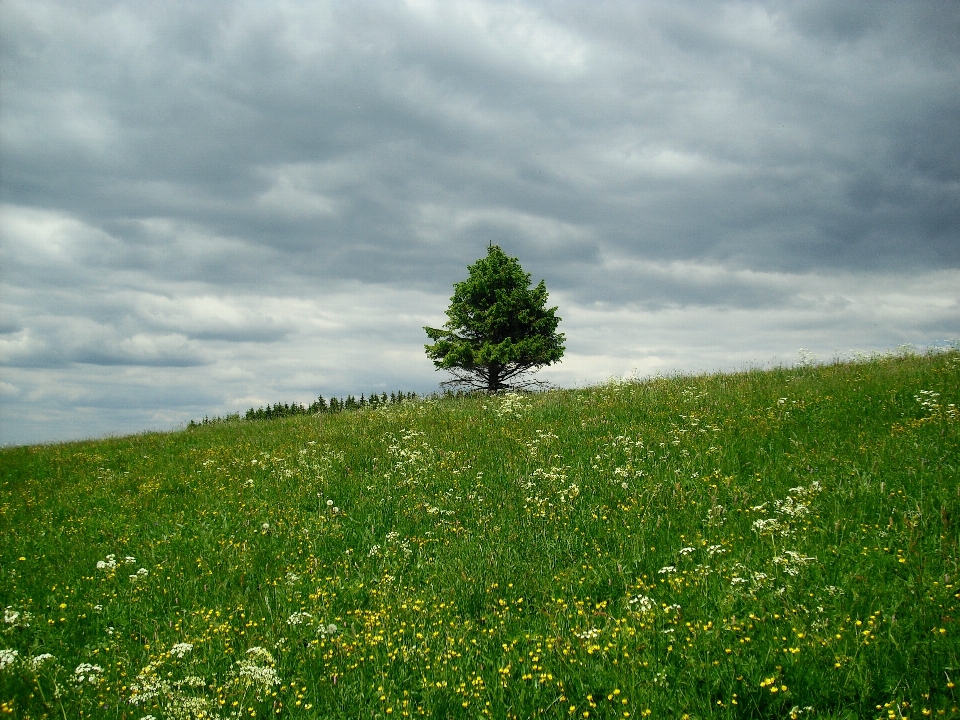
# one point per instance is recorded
(211, 206)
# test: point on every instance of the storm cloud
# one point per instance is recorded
(208, 206)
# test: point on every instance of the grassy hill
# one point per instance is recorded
(774, 543)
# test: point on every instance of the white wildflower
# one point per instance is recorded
(7, 657)
(330, 629)
(512, 405)
(263, 677)
(40, 660)
(767, 526)
(686, 550)
(188, 706)
(10, 617)
(139, 574)
(260, 654)
(258, 675)
(299, 618)
(181, 649)
(130, 560)
(265, 527)
(147, 686)
(737, 581)
(374, 551)
(667, 569)
(641, 603)
(87, 673)
(588, 634)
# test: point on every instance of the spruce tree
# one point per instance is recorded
(498, 328)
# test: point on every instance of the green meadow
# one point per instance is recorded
(770, 543)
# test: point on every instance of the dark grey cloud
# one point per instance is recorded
(208, 186)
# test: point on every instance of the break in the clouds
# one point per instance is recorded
(210, 206)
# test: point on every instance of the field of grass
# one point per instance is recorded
(779, 543)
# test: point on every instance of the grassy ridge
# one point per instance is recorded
(765, 544)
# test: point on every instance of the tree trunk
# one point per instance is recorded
(493, 378)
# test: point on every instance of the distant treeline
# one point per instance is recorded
(318, 406)
(335, 405)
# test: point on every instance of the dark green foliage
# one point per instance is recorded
(498, 329)
(319, 406)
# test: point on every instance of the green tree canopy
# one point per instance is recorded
(499, 329)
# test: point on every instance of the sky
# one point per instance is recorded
(206, 207)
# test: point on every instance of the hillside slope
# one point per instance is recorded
(765, 544)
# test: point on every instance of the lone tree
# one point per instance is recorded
(499, 328)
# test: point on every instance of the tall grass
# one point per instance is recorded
(765, 544)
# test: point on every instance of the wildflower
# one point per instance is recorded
(374, 551)
(737, 581)
(686, 550)
(298, 618)
(10, 616)
(260, 654)
(330, 629)
(260, 676)
(147, 686)
(85, 672)
(667, 569)
(7, 657)
(265, 527)
(292, 578)
(767, 526)
(130, 560)
(588, 634)
(329, 503)
(109, 564)
(40, 660)
(643, 603)
(139, 574)
(181, 649)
